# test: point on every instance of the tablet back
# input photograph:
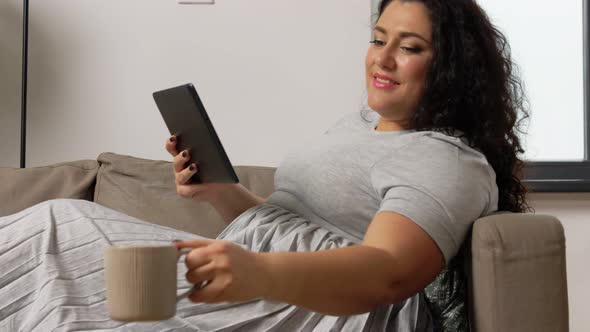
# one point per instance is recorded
(185, 117)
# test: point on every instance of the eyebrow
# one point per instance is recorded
(403, 34)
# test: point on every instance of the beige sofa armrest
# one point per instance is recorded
(518, 274)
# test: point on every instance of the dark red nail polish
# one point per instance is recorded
(183, 154)
(172, 139)
(191, 167)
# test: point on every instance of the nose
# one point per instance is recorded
(385, 59)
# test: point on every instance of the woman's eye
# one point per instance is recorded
(410, 49)
(377, 42)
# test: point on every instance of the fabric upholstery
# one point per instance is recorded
(518, 274)
(145, 189)
(21, 188)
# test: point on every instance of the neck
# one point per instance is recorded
(385, 125)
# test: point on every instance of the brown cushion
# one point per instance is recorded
(25, 187)
(145, 189)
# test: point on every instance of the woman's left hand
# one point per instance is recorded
(232, 273)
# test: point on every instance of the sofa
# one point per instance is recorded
(514, 262)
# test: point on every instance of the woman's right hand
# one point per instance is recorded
(200, 192)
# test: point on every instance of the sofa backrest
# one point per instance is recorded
(22, 188)
(141, 188)
(145, 189)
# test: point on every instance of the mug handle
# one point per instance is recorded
(181, 253)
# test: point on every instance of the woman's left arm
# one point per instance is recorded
(396, 259)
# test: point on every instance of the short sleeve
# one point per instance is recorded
(441, 185)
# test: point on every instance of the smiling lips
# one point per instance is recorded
(384, 82)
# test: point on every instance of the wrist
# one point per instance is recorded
(220, 192)
(268, 276)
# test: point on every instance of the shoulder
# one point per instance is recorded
(469, 160)
(431, 158)
(436, 146)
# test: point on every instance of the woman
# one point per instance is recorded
(359, 223)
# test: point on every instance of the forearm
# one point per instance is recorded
(344, 281)
(234, 201)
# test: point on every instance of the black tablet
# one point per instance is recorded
(185, 117)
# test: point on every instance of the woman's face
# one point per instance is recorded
(397, 62)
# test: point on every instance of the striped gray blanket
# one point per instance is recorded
(51, 273)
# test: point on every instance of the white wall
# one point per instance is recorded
(10, 80)
(270, 72)
(573, 210)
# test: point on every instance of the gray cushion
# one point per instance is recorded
(25, 187)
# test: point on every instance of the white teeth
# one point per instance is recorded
(380, 80)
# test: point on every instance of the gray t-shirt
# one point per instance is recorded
(343, 178)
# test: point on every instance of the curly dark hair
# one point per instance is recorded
(473, 87)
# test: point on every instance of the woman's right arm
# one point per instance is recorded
(234, 200)
(229, 199)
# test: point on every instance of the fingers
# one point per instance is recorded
(212, 292)
(197, 257)
(180, 160)
(191, 190)
(200, 274)
(171, 146)
(184, 175)
(198, 261)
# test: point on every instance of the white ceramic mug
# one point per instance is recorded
(141, 282)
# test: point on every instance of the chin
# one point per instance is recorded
(380, 107)
(388, 111)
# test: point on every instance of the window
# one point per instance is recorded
(551, 51)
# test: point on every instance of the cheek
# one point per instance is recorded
(414, 69)
(368, 61)
(418, 69)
